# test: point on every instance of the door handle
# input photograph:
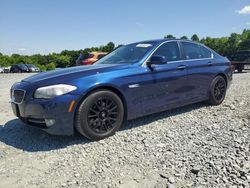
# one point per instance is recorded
(210, 63)
(181, 67)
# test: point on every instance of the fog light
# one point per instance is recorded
(49, 122)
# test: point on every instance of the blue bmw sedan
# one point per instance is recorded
(132, 81)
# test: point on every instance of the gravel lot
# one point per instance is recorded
(193, 146)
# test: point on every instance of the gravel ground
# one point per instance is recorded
(193, 146)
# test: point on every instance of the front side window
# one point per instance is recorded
(169, 50)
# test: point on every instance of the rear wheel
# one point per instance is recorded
(217, 91)
(100, 115)
(240, 68)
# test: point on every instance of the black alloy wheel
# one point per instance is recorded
(103, 114)
(100, 115)
(217, 91)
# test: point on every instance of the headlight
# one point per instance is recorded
(53, 91)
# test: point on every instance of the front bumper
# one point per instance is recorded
(50, 115)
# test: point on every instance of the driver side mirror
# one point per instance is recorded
(157, 60)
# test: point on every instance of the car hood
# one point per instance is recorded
(72, 73)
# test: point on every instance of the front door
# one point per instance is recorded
(164, 86)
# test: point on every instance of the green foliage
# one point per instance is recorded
(41, 67)
(169, 37)
(184, 37)
(5, 61)
(50, 66)
(66, 58)
(226, 46)
(245, 40)
(195, 38)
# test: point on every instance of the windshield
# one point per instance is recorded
(30, 66)
(22, 66)
(131, 53)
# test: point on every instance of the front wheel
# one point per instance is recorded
(217, 91)
(100, 115)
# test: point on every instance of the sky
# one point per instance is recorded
(46, 26)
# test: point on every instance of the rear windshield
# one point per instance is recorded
(90, 55)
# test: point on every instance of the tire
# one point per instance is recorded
(240, 68)
(217, 91)
(100, 115)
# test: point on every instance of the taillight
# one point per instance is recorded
(231, 64)
(87, 62)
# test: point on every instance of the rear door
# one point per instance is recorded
(200, 65)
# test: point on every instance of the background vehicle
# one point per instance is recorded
(132, 81)
(93, 57)
(32, 68)
(1, 70)
(6, 69)
(241, 59)
(80, 59)
(18, 68)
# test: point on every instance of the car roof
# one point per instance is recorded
(165, 40)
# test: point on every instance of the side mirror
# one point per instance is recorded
(157, 60)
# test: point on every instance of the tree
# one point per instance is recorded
(51, 66)
(195, 38)
(73, 54)
(5, 61)
(184, 37)
(60, 61)
(120, 45)
(41, 67)
(245, 40)
(233, 44)
(226, 46)
(169, 37)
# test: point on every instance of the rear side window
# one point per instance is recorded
(170, 50)
(195, 51)
(191, 50)
(205, 53)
